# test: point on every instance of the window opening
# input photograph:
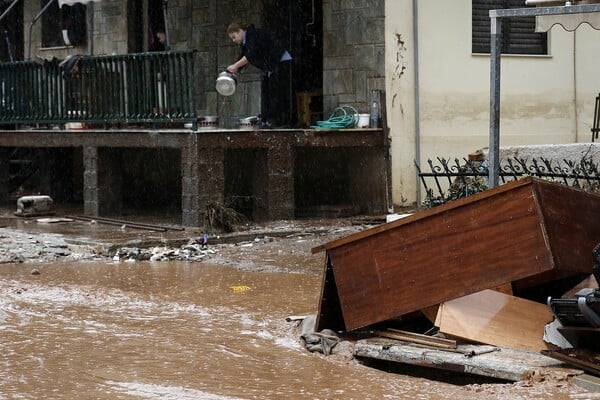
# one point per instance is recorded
(518, 34)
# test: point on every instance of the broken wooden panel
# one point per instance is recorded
(495, 318)
(462, 247)
(509, 364)
(580, 358)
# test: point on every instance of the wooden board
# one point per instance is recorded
(495, 318)
(580, 358)
(480, 242)
(412, 337)
(509, 364)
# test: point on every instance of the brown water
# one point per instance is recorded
(178, 331)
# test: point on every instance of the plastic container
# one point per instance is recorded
(363, 120)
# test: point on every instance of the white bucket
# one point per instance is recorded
(363, 120)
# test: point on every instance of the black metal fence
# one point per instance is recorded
(141, 87)
(451, 179)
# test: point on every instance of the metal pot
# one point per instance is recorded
(250, 123)
(226, 83)
(208, 122)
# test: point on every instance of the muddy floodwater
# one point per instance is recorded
(177, 330)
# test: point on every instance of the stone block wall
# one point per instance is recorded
(202, 25)
(353, 52)
(353, 47)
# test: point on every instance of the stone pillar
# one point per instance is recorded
(102, 181)
(4, 174)
(90, 181)
(280, 186)
(190, 188)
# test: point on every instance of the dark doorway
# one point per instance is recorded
(156, 20)
(135, 26)
(299, 24)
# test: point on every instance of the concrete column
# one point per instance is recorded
(4, 174)
(102, 182)
(190, 188)
(90, 181)
(280, 186)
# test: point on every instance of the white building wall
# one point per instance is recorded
(544, 99)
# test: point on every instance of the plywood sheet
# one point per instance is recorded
(495, 318)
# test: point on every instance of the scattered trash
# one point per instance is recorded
(29, 206)
(194, 250)
(53, 220)
(321, 342)
(239, 288)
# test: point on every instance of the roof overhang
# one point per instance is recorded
(569, 22)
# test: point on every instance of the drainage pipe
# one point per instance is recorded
(8, 9)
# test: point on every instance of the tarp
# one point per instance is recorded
(71, 2)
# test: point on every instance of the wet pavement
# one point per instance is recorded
(94, 328)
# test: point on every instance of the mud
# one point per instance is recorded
(92, 326)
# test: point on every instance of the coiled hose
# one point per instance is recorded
(344, 117)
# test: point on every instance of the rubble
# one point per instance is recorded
(193, 252)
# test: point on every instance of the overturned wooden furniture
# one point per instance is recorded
(525, 233)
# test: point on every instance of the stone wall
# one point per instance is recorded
(353, 52)
(202, 25)
(353, 47)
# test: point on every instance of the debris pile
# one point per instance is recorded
(195, 251)
(468, 282)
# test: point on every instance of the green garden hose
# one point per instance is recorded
(344, 117)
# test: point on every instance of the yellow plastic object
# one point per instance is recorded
(239, 288)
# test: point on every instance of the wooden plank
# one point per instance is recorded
(495, 318)
(509, 364)
(417, 338)
(580, 358)
(421, 215)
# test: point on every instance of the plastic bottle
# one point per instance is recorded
(374, 119)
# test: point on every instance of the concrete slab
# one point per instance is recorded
(508, 364)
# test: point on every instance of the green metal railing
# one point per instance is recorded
(141, 87)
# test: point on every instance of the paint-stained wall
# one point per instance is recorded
(545, 99)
